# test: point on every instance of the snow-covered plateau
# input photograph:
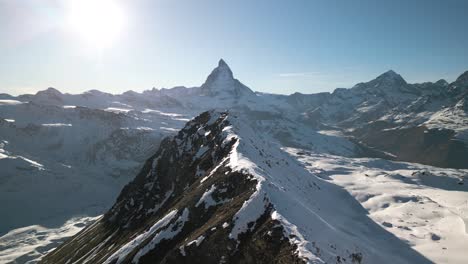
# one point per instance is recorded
(374, 173)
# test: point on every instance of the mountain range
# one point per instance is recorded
(360, 175)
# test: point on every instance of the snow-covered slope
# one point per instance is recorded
(58, 162)
(427, 207)
(28, 244)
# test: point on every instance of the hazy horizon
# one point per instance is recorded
(193, 86)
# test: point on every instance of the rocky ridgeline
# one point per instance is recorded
(180, 209)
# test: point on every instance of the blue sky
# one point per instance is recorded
(272, 46)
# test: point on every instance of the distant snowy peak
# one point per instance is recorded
(391, 77)
(442, 82)
(387, 81)
(49, 91)
(97, 93)
(50, 96)
(221, 82)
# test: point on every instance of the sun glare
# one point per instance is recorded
(97, 22)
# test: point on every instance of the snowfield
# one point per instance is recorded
(427, 207)
(28, 244)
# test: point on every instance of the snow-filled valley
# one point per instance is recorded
(375, 173)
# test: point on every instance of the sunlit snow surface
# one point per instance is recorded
(427, 207)
(29, 244)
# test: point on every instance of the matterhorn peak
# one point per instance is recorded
(222, 63)
(221, 82)
(223, 69)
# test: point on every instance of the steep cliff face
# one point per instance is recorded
(217, 192)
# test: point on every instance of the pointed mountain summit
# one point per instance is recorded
(391, 77)
(221, 82)
(442, 82)
(223, 65)
(388, 82)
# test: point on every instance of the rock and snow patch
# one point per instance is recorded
(197, 241)
(253, 208)
(32, 162)
(166, 233)
(123, 251)
(207, 198)
(182, 250)
(166, 197)
(303, 247)
(250, 211)
(117, 110)
(201, 152)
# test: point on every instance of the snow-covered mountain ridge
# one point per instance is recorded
(220, 187)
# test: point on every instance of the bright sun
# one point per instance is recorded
(98, 22)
